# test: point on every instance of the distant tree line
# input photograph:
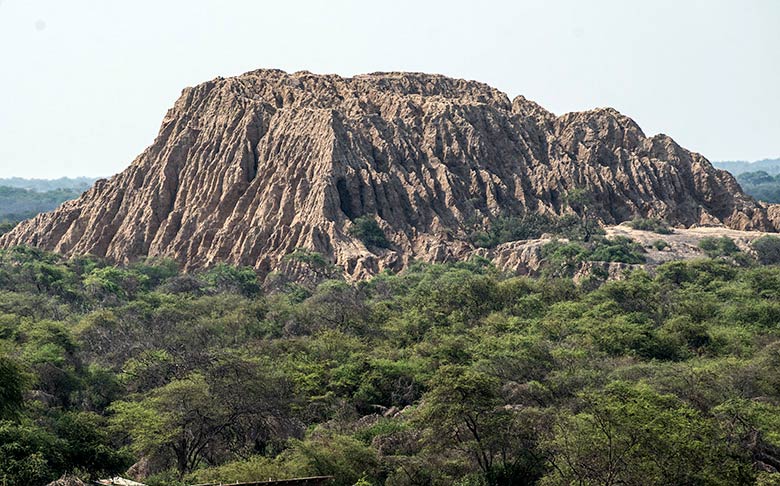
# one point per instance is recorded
(770, 166)
(80, 184)
(761, 185)
(19, 204)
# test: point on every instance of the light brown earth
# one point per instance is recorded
(246, 169)
(525, 257)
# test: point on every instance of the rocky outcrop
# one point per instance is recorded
(67, 480)
(249, 168)
(526, 257)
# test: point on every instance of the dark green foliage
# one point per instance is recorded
(767, 249)
(115, 282)
(761, 185)
(631, 434)
(309, 257)
(651, 224)
(578, 228)
(86, 444)
(36, 453)
(24, 198)
(29, 454)
(463, 410)
(315, 262)
(504, 229)
(532, 226)
(660, 245)
(617, 249)
(344, 457)
(7, 226)
(226, 278)
(582, 201)
(563, 258)
(440, 375)
(719, 246)
(12, 385)
(366, 229)
(755, 178)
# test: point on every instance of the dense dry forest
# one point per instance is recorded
(442, 374)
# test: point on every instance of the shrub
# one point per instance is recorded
(575, 228)
(563, 258)
(650, 224)
(30, 454)
(367, 230)
(117, 282)
(718, 247)
(504, 229)
(618, 249)
(227, 278)
(249, 469)
(316, 262)
(767, 249)
(531, 226)
(302, 255)
(660, 245)
(344, 457)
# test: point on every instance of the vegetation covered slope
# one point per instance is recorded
(440, 375)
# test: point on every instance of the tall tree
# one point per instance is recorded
(187, 418)
(464, 411)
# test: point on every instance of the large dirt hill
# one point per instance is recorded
(246, 169)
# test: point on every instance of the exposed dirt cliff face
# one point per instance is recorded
(247, 169)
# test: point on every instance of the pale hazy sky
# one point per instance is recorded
(84, 84)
